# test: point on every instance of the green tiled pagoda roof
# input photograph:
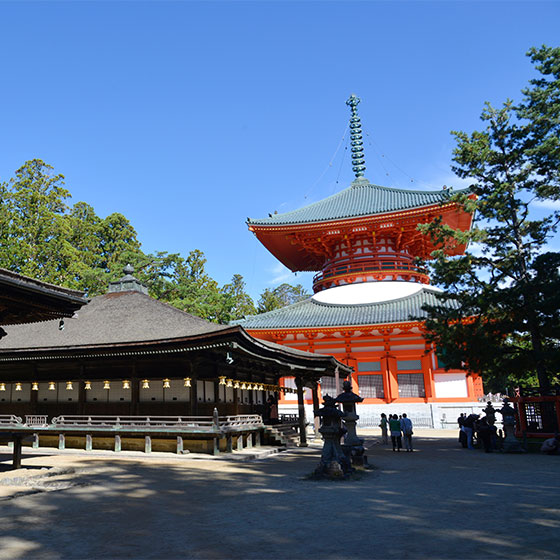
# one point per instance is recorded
(310, 313)
(360, 199)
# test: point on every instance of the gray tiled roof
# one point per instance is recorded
(360, 199)
(110, 319)
(311, 313)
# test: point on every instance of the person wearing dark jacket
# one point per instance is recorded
(468, 426)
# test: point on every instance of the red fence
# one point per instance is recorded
(538, 416)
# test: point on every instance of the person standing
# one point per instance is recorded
(395, 428)
(462, 433)
(383, 425)
(272, 410)
(406, 427)
(468, 427)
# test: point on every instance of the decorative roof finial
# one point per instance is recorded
(358, 161)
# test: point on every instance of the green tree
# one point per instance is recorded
(237, 302)
(282, 295)
(499, 314)
(38, 232)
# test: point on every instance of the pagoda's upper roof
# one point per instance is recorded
(362, 198)
(311, 313)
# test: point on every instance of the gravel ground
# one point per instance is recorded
(439, 502)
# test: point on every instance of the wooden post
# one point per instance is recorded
(134, 395)
(229, 443)
(82, 391)
(17, 452)
(147, 444)
(35, 441)
(179, 445)
(316, 422)
(117, 444)
(249, 440)
(194, 395)
(239, 442)
(215, 446)
(258, 439)
(61, 441)
(89, 442)
(301, 413)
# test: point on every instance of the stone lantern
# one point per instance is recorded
(353, 445)
(334, 462)
(511, 444)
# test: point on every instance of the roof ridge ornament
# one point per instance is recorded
(128, 283)
(358, 161)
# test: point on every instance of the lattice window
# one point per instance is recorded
(411, 385)
(328, 386)
(369, 366)
(403, 365)
(371, 386)
(541, 417)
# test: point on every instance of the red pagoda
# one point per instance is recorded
(364, 244)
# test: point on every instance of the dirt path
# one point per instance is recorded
(439, 502)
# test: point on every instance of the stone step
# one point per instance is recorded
(288, 438)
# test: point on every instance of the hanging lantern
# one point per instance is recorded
(222, 379)
(87, 385)
(166, 384)
(106, 384)
(18, 386)
(187, 382)
(236, 385)
(34, 386)
(261, 388)
(69, 386)
(2, 386)
(243, 386)
(52, 386)
(126, 384)
(145, 383)
(229, 383)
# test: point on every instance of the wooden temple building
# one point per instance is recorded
(364, 244)
(126, 355)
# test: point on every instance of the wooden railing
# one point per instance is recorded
(350, 267)
(10, 420)
(200, 424)
(36, 420)
(116, 422)
(211, 424)
(230, 423)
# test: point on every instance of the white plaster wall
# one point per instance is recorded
(367, 292)
(450, 385)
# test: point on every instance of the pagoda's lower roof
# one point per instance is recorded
(362, 198)
(311, 313)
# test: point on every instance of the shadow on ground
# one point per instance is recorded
(439, 502)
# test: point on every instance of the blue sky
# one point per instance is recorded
(188, 117)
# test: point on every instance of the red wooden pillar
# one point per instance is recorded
(392, 382)
(428, 373)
